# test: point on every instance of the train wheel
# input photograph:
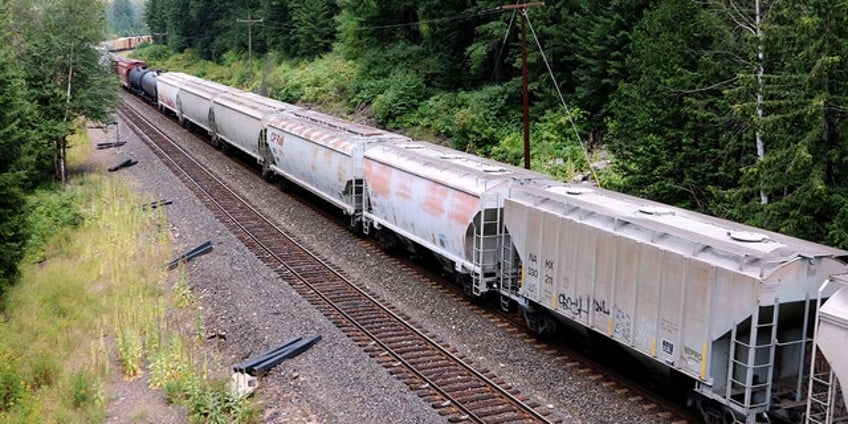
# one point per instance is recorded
(387, 241)
(285, 185)
(466, 283)
(540, 324)
(267, 172)
(729, 417)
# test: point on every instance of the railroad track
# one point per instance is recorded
(435, 372)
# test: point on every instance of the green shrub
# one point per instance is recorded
(402, 94)
(13, 388)
(82, 390)
(325, 82)
(153, 52)
(52, 212)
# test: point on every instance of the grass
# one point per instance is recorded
(94, 288)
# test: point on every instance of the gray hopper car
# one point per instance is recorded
(725, 304)
(240, 118)
(168, 87)
(323, 154)
(829, 361)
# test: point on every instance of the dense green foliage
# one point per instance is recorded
(14, 127)
(51, 75)
(711, 105)
(125, 18)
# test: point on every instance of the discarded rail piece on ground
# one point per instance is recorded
(124, 164)
(204, 248)
(263, 362)
(110, 144)
(156, 203)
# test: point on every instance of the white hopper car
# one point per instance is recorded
(168, 86)
(725, 304)
(194, 103)
(240, 120)
(323, 154)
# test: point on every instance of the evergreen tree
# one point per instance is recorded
(803, 126)
(278, 26)
(15, 137)
(600, 39)
(313, 27)
(669, 130)
(122, 19)
(155, 18)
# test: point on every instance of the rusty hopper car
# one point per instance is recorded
(323, 154)
(167, 89)
(448, 202)
(725, 304)
(239, 121)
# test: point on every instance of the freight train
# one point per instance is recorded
(126, 43)
(729, 308)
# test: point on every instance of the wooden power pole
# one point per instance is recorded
(250, 23)
(525, 94)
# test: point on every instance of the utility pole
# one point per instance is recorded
(250, 23)
(160, 36)
(525, 94)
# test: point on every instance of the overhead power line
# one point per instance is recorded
(458, 17)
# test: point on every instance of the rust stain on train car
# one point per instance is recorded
(434, 200)
(379, 178)
(463, 207)
(403, 185)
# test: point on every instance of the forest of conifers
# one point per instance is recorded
(736, 108)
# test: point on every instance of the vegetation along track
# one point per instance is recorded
(433, 371)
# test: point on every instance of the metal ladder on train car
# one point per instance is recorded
(357, 200)
(824, 396)
(489, 230)
(742, 373)
(509, 272)
(823, 392)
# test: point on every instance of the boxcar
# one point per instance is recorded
(240, 121)
(448, 202)
(725, 304)
(324, 154)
